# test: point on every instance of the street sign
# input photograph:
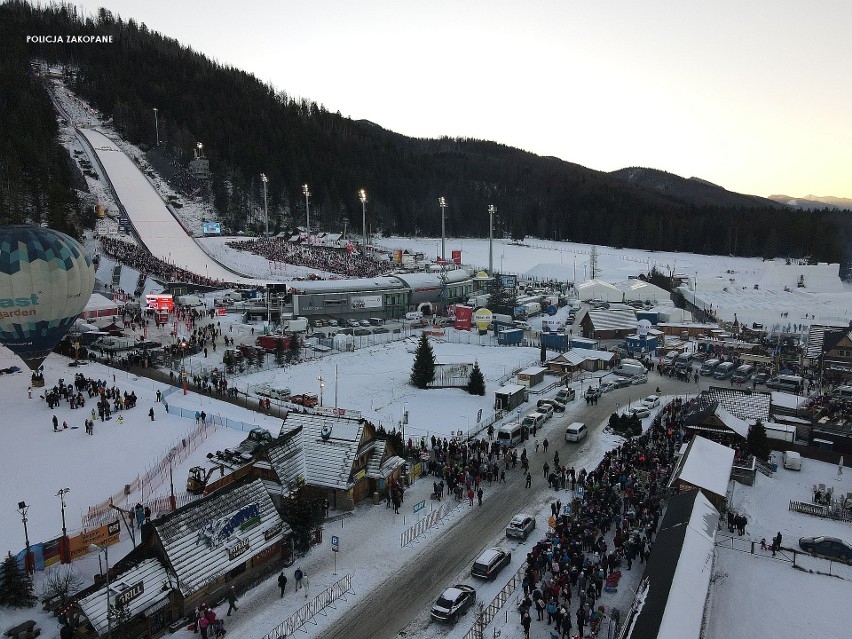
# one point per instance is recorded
(335, 543)
(420, 505)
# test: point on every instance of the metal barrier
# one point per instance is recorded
(487, 613)
(432, 519)
(306, 613)
(830, 512)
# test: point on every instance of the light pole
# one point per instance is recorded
(64, 546)
(264, 179)
(322, 385)
(28, 559)
(105, 550)
(307, 193)
(362, 195)
(156, 126)
(491, 211)
(442, 202)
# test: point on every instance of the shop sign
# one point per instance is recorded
(274, 530)
(216, 533)
(130, 594)
(266, 554)
(238, 549)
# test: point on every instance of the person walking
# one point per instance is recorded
(529, 480)
(282, 582)
(55, 424)
(151, 413)
(298, 575)
(232, 601)
(479, 494)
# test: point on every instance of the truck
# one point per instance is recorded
(502, 318)
(190, 300)
(304, 399)
(477, 301)
(532, 309)
(273, 343)
(296, 325)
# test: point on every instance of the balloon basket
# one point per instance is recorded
(37, 383)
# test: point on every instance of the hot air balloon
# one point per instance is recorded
(46, 280)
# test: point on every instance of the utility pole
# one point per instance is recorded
(442, 202)
(491, 211)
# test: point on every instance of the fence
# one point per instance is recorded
(432, 519)
(490, 611)
(799, 559)
(830, 512)
(306, 613)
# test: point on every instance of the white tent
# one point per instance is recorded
(599, 290)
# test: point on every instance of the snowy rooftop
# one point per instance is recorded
(706, 465)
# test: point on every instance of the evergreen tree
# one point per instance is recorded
(280, 353)
(16, 587)
(476, 383)
(423, 370)
(757, 442)
(304, 514)
(295, 348)
(501, 300)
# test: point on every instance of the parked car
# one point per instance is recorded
(380, 329)
(606, 387)
(361, 332)
(332, 322)
(353, 323)
(641, 411)
(546, 410)
(827, 547)
(558, 406)
(364, 322)
(453, 602)
(639, 379)
(317, 323)
(620, 382)
(761, 378)
(651, 401)
(490, 562)
(521, 526)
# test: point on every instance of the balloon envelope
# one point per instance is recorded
(46, 280)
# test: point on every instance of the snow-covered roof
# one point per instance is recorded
(207, 538)
(613, 319)
(747, 405)
(430, 280)
(637, 289)
(788, 400)
(591, 353)
(327, 461)
(705, 465)
(142, 590)
(360, 285)
(510, 389)
(676, 581)
(98, 302)
(734, 423)
(533, 370)
(599, 290)
(571, 357)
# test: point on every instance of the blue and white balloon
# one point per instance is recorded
(46, 280)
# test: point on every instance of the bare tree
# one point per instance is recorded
(60, 583)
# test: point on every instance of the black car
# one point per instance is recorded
(761, 378)
(490, 562)
(453, 602)
(621, 382)
(831, 547)
(592, 392)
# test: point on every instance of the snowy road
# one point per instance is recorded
(410, 591)
(157, 228)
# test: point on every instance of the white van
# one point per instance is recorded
(575, 432)
(534, 420)
(670, 357)
(414, 315)
(509, 434)
(792, 460)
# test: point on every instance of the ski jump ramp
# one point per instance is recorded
(154, 223)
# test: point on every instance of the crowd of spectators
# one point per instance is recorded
(608, 524)
(341, 261)
(140, 259)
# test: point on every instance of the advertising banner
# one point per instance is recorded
(397, 255)
(366, 301)
(508, 281)
(212, 228)
(457, 256)
(102, 535)
(464, 317)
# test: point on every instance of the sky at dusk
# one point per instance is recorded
(753, 96)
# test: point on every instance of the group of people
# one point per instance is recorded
(323, 258)
(610, 523)
(141, 260)
(109, 399)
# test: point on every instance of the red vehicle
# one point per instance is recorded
(272, 343)
(305, 399)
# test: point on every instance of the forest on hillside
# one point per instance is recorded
(248, 128)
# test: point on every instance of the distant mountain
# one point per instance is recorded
(814, 202)
(693, 190)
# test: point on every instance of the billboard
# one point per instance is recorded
(102, 535)
(397, 256)
(482, 318)
(464, 316)
(508, 281)
(160, 302)
(456, 256)
(360, 302)
(212, 228)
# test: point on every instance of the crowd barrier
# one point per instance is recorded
(303, 615)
